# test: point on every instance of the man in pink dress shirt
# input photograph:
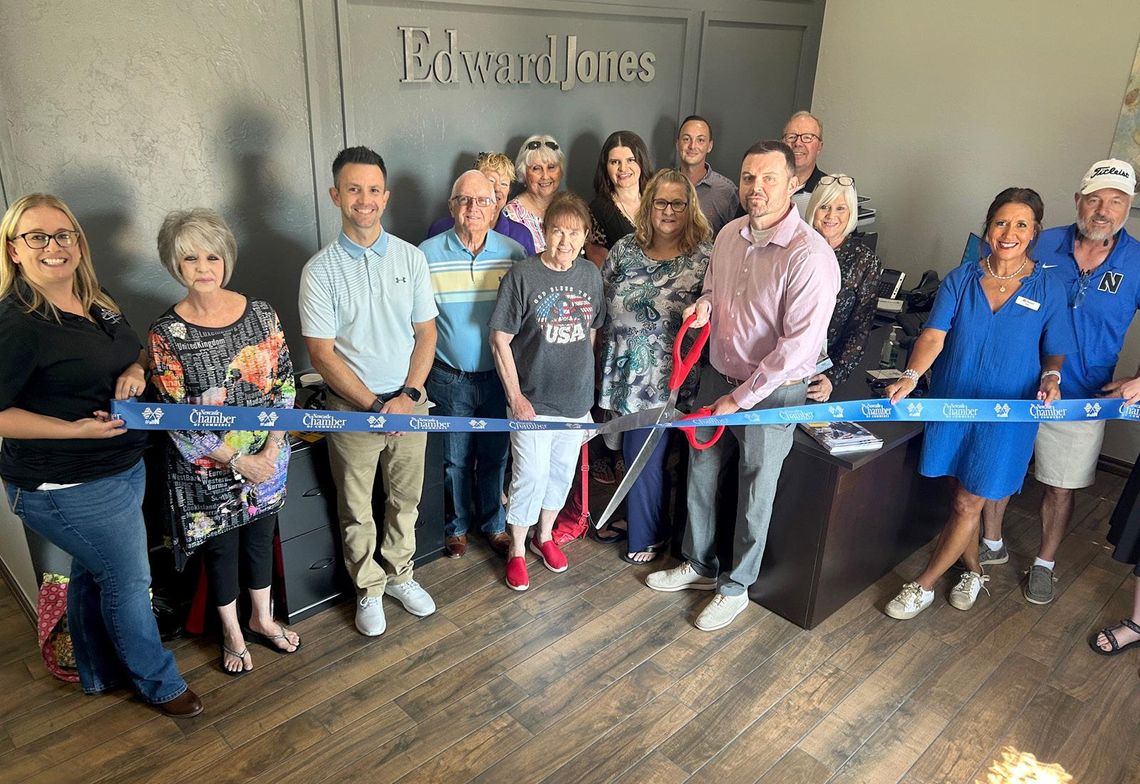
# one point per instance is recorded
(769, 293)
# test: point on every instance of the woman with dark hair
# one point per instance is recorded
(650, 277)
(999, 329)
(72, 473)
(619, 179)
(1124, 535)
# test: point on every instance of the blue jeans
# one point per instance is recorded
(645, 504)
(100, 524)
(473, 463)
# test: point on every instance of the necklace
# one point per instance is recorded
(995, 276)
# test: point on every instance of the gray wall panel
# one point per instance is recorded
(150, 106)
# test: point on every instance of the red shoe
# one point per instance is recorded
(517, 578)
(552, 557)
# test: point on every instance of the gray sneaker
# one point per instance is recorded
(370, 616)
(412, 595)
(721, 611)
(1039, 585)
(988, 557)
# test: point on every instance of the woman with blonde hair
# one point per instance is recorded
(71, 471)
(650, 277)
(216, 347)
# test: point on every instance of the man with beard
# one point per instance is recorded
(1099, 263)
(769, 293)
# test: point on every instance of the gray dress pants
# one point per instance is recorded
(762, 449)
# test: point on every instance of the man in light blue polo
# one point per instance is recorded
(368, 317)
(1099, 263)
(466, 263)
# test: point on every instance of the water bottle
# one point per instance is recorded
(889, 357)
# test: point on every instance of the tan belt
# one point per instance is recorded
(737, 382)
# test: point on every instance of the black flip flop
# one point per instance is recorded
(1116, 647)
(616, 534)
(654, 549)
(268, 640)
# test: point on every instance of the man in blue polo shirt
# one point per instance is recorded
(466, 263)
(368, 317)
(1099, 263)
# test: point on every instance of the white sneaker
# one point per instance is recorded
(412, 595)
(680, 578)
(370, 616)
(721, 611)
(910, 602)
(965, 593)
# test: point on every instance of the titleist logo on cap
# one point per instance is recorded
(1101, 171)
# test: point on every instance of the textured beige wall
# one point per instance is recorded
(934, 107)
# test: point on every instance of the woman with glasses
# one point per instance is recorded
(540, 165)
(650, 277)
(501, 172)
(72, 473)
(833, 212)
(999, 329)
(619, 178)
(216, 347)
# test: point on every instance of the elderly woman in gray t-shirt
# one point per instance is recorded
(542, 334)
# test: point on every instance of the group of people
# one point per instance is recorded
(541, 307)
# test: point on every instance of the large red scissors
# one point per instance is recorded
(661, 415)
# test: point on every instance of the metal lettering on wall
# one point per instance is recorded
(568, 67)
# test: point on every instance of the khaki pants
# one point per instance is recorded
(354, 458)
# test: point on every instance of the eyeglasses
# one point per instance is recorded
(678, 205)
(38, 240)
(806, 138)
(539, 143)
(843, 180)
(466, 201)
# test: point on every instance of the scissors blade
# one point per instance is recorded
(631, 475)
(635, 421)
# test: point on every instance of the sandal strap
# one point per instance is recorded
(1133, 626)
(1108, 635)
(235, 654)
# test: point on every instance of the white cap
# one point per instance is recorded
(1112, 173)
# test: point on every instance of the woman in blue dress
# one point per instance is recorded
(999, 329)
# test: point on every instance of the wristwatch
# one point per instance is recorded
(412, 393)
(377, 404)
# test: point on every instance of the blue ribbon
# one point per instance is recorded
(170, 416)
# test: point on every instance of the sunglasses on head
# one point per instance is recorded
(539, 143)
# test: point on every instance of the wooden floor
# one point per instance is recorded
(589, 676)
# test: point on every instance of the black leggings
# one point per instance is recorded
(248, 548)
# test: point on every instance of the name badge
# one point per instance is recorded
(1028, 303)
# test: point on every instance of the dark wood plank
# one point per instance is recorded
(475, 754)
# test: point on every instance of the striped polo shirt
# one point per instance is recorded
(465, 288)
(366, 300)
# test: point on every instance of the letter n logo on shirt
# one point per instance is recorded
(1110, 282)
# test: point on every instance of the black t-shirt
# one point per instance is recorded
(65, 369)
(610, 223)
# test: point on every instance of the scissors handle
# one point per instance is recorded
(691, 432)
(683, 364)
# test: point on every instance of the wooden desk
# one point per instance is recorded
(840, 522)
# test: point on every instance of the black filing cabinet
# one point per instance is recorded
(315, 576)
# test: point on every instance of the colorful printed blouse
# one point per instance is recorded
(244, 364)
(520, 214)
(645, 298)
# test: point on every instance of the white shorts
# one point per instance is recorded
(1066, 453)
(543, 468)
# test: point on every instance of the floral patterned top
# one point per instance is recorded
(645, 298)
(520, 214)
(859, 270)
(244, 364)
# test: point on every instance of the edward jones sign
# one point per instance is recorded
(443, 62)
